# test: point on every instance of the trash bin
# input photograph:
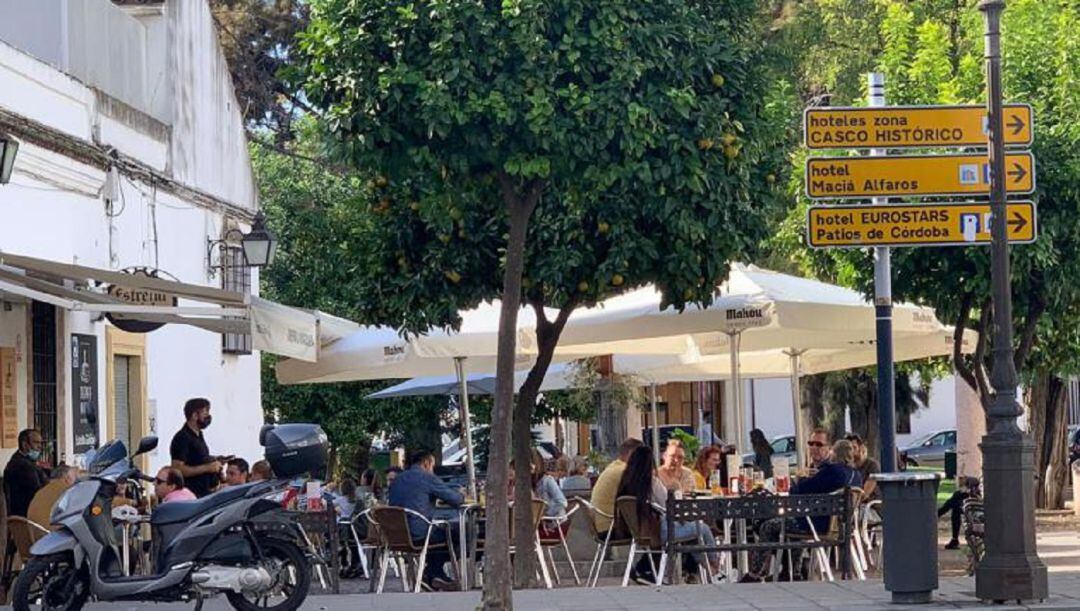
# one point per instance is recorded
(950, 464)
(909, 525)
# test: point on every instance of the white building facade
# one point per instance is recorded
(132, 155)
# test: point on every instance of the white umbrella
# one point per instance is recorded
(382, 353)
(755, 310)
(558, 378)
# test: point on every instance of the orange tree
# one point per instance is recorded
(553, 153)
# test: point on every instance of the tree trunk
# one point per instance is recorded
(547, 337)
(970, 429)
(497, 591)
(813, 390)
(1046, 418)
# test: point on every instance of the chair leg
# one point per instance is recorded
(543, 565)
(384, 562)
(663, 567)
(403, 570)
(592, 566)
(554, 569)
(364, 562)
(857, 561)
(569, 558)
(823, 562)
(629, 564)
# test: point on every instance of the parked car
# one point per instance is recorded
(782, 445)
(929, 451)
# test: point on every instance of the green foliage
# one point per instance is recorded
(256, 37)
(643, 122)
(931, 53)
(314, 215)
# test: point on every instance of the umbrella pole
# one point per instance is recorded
(655, 423)
(736, 383)
(466, 425)
(796, 406)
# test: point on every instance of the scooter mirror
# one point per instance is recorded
(146, 444)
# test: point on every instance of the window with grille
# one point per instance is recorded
(236, 277)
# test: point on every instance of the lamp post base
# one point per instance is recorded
(1011, 569)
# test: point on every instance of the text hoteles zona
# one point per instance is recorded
(911, 127)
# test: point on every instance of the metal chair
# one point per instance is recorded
(604, 539)
(24, 533)
(646, 535)
(559, 525)
(397, 541)
(371, 541)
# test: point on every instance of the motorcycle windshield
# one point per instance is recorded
(109, 454)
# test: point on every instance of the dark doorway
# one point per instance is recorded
(43, 349)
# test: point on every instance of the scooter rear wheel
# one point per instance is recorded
(50, 583)
(292, 579)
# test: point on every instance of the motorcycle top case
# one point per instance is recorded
(296, 449)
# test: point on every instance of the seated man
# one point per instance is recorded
(23, 477)
(417, 488)
(169, 486)
(954, 506)
(42, 505)
(236, 472)
(833, 474)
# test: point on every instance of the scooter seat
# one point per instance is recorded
(184, 511)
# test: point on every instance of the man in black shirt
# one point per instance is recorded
(22, 476)
(190, 455)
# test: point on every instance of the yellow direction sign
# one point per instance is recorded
(911, 126)
(911, 175)
(914, 225)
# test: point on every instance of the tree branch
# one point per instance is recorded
(1036, 308)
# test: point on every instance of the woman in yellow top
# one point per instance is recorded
(708, 461)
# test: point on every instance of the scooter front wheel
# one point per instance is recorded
(291, 575)
(50, 583)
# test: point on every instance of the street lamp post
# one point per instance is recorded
(1011, 569)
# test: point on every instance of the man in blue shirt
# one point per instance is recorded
(417, 488)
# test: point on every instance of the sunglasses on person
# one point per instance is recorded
(815, 444)
(160, 481)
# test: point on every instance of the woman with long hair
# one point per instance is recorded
(639, 481)
(708, 462)
(546, 488)
(762, 452)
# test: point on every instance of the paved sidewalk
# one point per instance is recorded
(955, 593)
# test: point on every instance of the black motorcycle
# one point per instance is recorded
(238, 541)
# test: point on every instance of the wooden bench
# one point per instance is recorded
(755, 508)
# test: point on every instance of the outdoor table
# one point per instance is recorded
(741, 533)
(466, 522)
(321, 526)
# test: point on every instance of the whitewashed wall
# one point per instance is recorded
(53, 209)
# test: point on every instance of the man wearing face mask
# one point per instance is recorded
(23, 477)
(190, 455)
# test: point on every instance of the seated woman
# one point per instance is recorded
(707, 463)
(546, 488)
(640, 481)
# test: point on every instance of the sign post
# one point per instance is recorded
(886, 384)
(1011, 568)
